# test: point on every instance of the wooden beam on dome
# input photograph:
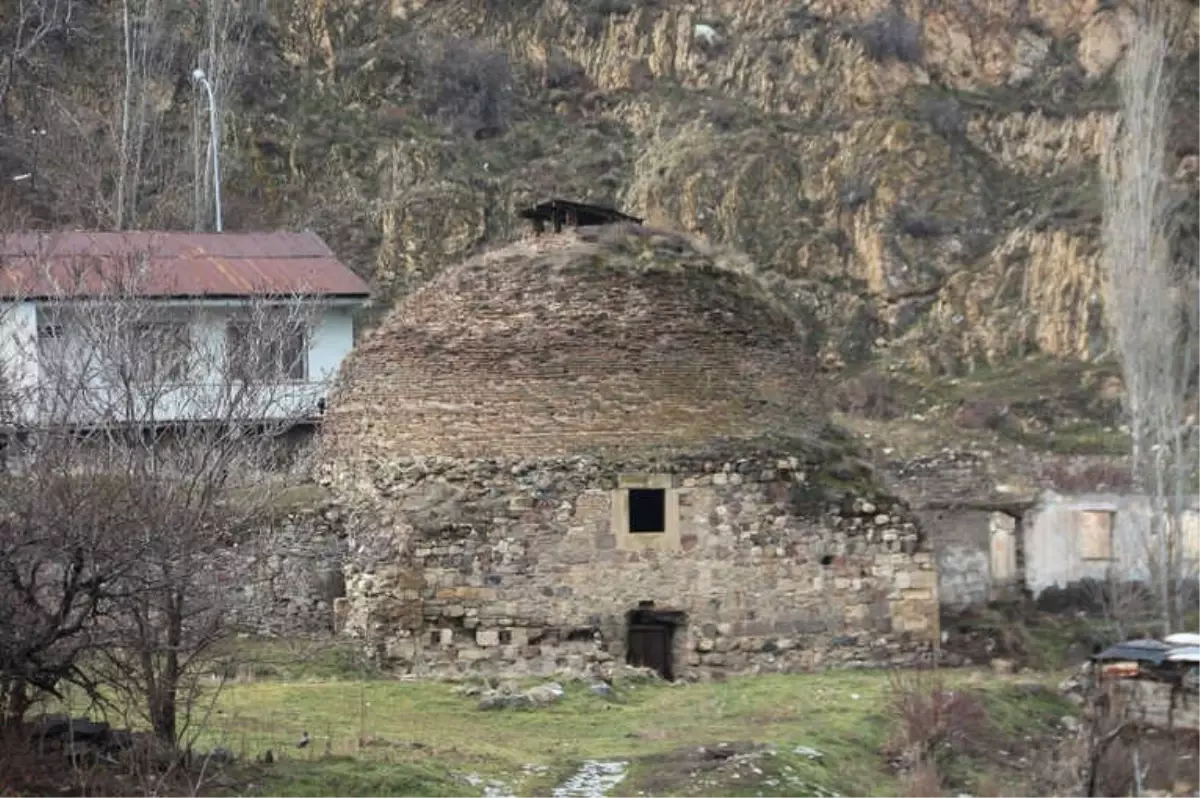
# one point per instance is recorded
(566, 213)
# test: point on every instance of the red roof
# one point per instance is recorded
(164, 264)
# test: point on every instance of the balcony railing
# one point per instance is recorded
(173, 403)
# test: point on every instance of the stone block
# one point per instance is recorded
(924, 579)
(400, 649)
(487, 637)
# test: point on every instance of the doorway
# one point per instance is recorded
(650, 642)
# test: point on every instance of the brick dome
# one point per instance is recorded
(618, 339)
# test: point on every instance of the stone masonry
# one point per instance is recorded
(283, 580)
(515, 565)
(492, 440)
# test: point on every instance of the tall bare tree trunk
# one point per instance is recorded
(1143, 299)
(126, 103)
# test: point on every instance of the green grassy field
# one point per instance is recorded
(372, 736)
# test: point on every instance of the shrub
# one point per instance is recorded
(869, 395)
(562, 73)
(933, 724)
(891, 34)
(982, 413)
(923, 781)
(917, 225)
(945, 115)
(471, 87)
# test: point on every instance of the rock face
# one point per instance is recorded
(930, 166)
(565, 454)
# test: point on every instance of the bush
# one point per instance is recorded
(869, 395)
(472, 87)
(934, 724)
(945, 115)
(917, 225)
(891, 34)
(982, 413)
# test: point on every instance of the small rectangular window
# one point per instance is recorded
(505, 636)
(1095, 534)
(269, 354)
(647, 510)
(160, 352)
(51, 347)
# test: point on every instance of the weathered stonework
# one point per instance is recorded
(284, 579)
(488, 438)
(515, 565)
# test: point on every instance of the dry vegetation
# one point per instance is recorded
(115, 521)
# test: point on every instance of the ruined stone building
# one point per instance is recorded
(602, 447)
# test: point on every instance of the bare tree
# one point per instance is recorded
(150, 44)
(1151, 318)
(227, 33)
(171, 416)
(29, 24)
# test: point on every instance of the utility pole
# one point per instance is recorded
(198, 76)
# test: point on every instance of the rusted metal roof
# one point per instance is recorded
(81, 265)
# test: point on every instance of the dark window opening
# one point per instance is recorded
(647, 510)
(505, 636)
(827, 559)
(435, 637)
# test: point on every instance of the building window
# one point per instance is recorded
(647, 510)
(160, 352)
(283, 355)
(1095, 534)
(505, 637)
(50, 346)
(645, 513)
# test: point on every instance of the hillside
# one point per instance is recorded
(921, 175)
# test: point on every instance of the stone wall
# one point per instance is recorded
(977, 555)
(517, 565)
(284, 578)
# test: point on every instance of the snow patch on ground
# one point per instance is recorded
(593, 780)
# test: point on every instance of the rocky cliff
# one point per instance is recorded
(922, 173)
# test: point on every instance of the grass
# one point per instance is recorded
(1052, 406)
(375, 737)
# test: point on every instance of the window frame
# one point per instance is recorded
(667, 539)
(1086, 549)
(285, 358)
(177, 372)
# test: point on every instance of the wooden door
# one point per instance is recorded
(650, 647)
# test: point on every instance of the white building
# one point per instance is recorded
(1090, 536)
(163, 328)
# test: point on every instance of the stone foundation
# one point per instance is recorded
(523, 566)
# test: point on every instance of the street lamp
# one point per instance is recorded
(199, 77)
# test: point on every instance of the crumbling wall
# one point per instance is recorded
(515, 565)
(283, 578)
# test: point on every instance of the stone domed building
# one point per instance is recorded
(607, 446)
